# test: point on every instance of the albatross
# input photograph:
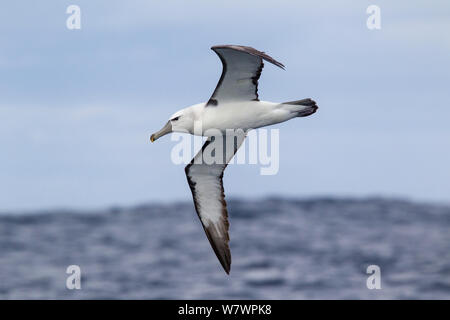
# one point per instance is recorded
(233, 107)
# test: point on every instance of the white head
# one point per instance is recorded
(180, 121)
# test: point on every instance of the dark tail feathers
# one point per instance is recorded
(303, 102)
(311, 106)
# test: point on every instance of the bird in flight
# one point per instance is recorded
(233, 109)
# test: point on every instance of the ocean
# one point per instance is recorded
(318, 248)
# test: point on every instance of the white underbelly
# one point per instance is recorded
(243, 115)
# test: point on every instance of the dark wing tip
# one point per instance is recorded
(251, 51)
(220, 247)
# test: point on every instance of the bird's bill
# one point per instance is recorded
(165, 130)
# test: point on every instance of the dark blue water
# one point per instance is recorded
(281, 249)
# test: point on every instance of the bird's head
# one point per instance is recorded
(180, 121)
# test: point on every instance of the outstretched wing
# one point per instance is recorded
(204, 175)
(242, 67)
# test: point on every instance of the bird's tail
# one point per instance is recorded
(306, 107)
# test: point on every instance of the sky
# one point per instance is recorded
(77, 107)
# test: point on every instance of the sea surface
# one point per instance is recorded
(316, 248)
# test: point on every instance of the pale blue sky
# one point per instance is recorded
(77, 106)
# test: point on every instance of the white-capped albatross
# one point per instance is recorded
(234, 105)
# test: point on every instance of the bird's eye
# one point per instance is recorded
(175, 119)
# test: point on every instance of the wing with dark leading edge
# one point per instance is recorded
(205, 181)
(242, 67)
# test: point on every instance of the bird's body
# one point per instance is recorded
(243, 115)
(234, 105)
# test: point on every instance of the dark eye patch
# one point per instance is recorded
(175, 119)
